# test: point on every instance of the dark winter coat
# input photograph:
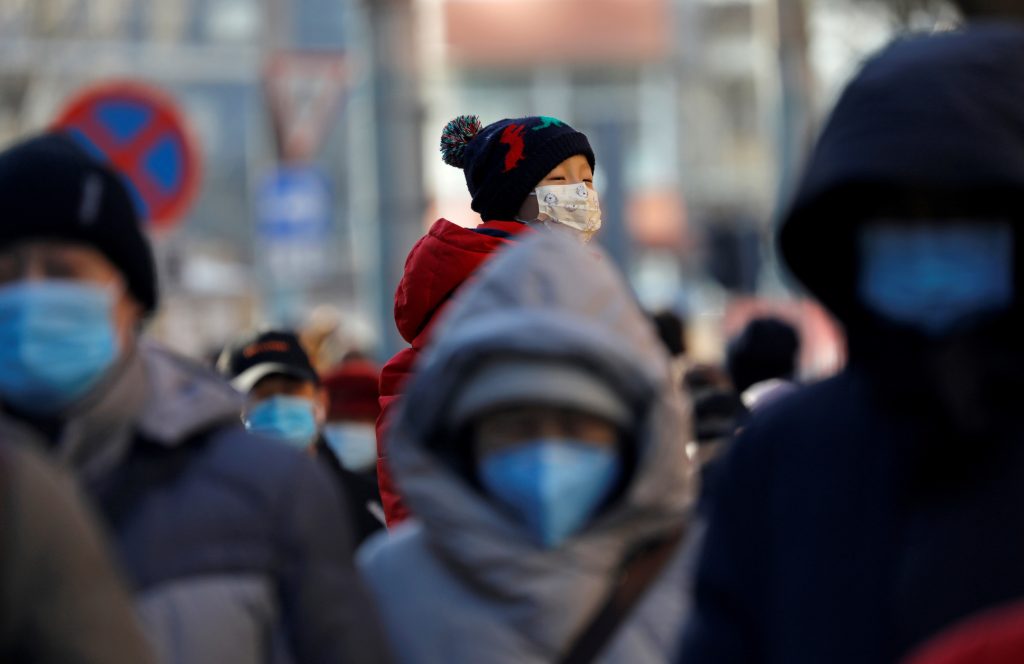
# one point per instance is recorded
(238, 548)
(849, 522)
(437, 265)
(362, 495)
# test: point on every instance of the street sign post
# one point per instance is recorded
(293, 230)
(139, 129)
(304, 90)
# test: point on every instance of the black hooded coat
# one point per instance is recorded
(855, 519)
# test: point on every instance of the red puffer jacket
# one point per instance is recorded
(435, 268)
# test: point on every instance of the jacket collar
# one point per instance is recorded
(150, 394)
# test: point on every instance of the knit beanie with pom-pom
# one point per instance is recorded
(505, 160)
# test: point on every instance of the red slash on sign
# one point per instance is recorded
(139, 130)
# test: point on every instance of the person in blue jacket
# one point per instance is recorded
(858, 517)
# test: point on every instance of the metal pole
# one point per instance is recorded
(400, 198)
(796, 107)
(610, 152)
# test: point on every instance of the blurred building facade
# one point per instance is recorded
(698, 110)
(211, 55)
(676, 95)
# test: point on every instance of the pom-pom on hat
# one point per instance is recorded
(505, 160)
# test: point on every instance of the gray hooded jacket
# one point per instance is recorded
(464, 582)
(237, 547)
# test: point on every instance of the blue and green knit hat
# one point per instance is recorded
(505, 160)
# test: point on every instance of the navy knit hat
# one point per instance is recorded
(50, 188)
(505, 160)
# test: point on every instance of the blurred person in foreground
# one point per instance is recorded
(762, 362)
(865, 513)
(539, 448)
(286, 401)
(349, 442)
(235, 546)
(533, 172)
(60, 598)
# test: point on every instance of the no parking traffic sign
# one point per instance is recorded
(140, 131)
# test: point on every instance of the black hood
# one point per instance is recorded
(937, 118)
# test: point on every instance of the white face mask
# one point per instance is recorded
(355, 444)
(574, 206)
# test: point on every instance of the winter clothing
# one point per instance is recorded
(50, 188)
(437, 265)
(511, 382)
(353, 394)
(994, 637)
(464, 581)
(353, 391)
(236, 547)
(852, 520)
(256, 356)
(60, 598)
(259, 355)
(505, 160)
(362, 496)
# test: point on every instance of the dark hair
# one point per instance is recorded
(671, 329)
(767, 348)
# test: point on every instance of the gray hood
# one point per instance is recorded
(546, 298)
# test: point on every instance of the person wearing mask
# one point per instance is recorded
(349, 442)
(61, 599)
(286, 401)
(221, 534)
(539, 448)
(864, 514)
(762, 362)
(533, 172)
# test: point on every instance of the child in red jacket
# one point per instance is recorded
(523, 173)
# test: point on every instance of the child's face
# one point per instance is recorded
(571, 171)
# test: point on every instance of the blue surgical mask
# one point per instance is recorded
(553, 486)
(290, 419)
(355, 445)
(932, 276)
(57, 339)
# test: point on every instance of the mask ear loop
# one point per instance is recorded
(536, 206)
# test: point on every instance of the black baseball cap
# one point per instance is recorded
(263, 354)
